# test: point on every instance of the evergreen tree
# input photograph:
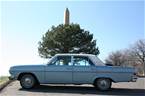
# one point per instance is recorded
(67, 39)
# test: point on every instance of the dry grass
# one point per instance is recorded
(3, 79)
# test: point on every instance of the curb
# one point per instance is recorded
(5, 84)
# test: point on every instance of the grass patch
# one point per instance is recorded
(3, 79)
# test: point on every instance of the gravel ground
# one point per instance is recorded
(118, 89)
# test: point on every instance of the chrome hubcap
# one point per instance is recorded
(103, 83)
(28, 81)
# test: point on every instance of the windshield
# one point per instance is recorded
(50, 60)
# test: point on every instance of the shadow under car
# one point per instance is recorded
(85, 90)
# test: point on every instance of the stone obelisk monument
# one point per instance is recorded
(66, 16)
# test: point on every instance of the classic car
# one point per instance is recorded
(73, 69)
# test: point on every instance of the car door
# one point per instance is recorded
(59, 70)
(83, 70)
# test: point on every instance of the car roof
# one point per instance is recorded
(71, 54)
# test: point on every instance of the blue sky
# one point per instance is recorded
(115, 25)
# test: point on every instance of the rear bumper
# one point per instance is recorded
(134, 78)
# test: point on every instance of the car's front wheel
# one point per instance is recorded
(103, 84)
(27, 81)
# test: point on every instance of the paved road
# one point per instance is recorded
(119, 89)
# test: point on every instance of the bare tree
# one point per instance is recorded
(138, 52)
(117, 58)
(133, 56)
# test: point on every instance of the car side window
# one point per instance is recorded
(62, 60)
(81, 61)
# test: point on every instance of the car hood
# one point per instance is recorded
(27, 68)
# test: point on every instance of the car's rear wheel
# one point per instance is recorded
(103, 84)
(27, 81)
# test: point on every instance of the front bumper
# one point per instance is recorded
(11, 77)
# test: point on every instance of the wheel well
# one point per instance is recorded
(103, 78)
(22, 74)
